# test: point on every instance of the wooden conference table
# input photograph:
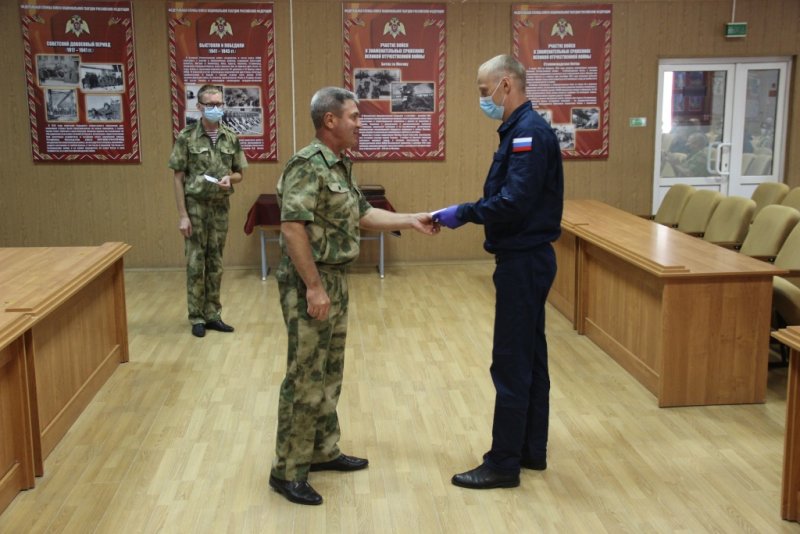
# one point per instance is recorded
(265, 215)
(63, 331)
(790, 495)
(16, 436)
(688, 319)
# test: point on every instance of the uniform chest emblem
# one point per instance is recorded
(522, 144)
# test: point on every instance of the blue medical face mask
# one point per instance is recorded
(213, 113)
(492, 110)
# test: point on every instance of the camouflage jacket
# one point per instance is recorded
(195, 155)
(316, 187)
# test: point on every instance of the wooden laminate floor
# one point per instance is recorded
(181, 438)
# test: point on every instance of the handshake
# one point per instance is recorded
(447, 217)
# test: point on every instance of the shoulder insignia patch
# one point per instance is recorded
(522, 144)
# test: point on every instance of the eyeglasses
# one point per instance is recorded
(212, 105)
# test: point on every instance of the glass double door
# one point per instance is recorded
(720, 125)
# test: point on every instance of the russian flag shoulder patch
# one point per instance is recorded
(522, 144)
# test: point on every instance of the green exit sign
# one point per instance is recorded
(736, 30)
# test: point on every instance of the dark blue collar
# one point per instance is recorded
(514, 117)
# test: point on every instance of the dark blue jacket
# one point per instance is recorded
(524, 192)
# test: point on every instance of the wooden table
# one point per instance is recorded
(77, 334)
(16, 433)
(563, 292)
(265, 215)
(688, 319)
(790, 494)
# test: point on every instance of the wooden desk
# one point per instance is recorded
(790, 494)
(75, 299)
(688, 319)
(265, 215)
(16, 433)
(562, 293)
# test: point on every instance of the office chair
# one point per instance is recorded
(747, 159)
(769, 231)
(697, 212)
(672, 205)
(785, 290)
(767, 192)
(730, 221)
(792, 199)
(760, 165)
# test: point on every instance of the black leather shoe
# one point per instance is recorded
(536, 465)
(484, 477)
(299, 492)
(198, 330)
(219, 326)
(342, 463)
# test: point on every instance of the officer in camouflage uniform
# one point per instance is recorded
(321, 213)
(207, 159)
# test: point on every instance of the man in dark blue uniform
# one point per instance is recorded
(521, 213)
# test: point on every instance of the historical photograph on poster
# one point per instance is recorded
(56, 69)
(412, 97)
(566, 52)
(191, 97)
(230, 45)
(62, 105)
(98, 77)
(586, 118)
(242, 97)
(374, 84)
(566, 135)
(192, 117)
(245, 122)
(395, 62)
(546, 114)
(104, 108)
(81, 72)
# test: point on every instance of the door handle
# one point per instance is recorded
(717, 165)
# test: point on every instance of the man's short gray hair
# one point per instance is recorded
(504, 65)
(698, 138)
(329, 99)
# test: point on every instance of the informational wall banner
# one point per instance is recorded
(566, 50)
(81, 72)
(394, 60)
(231, 45)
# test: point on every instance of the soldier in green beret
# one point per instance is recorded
(322, 211)
(207, 159)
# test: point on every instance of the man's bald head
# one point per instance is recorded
(503, 66)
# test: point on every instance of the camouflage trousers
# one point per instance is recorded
(204, 257)
(308, 426)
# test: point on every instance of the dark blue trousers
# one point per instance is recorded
(519, 358)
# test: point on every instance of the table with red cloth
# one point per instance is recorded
(266, 215)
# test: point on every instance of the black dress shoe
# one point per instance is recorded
(536, 465)
(219, 326)
(297, 491)
(342, 463)
(198, 330)
(484, 477)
